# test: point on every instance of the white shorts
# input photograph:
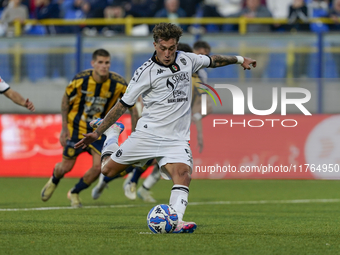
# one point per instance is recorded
(140, 147)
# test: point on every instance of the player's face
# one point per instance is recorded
(101, 65)
(166, 51)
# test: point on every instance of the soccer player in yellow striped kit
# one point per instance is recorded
(90, 95)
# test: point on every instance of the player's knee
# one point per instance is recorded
(186, 176)
(105, 170)
(62, 169)
(183, 173)
(96, 168)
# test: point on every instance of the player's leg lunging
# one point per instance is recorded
(180, 174)
(59, 171)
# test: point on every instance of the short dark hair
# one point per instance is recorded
(166, 31)
(184, 47)
(100, 52)
(201, 44)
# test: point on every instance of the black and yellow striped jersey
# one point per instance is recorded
(196, 84)
(91, 100)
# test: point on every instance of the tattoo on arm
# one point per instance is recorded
(64, 110)
(219, 60)
(110, 118)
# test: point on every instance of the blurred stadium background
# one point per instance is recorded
(40, 54)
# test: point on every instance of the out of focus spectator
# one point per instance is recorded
(3, 4)
(298, 16)
(111, 12)
(172, 11)
(254, 9)
(71, 9)
(226, 7)
(334, 14)
(93, 9)
(47, 9)
(142, 8)
(13, 12)
(221, 8)
(279, 8)
(316, 9)
(190, 6)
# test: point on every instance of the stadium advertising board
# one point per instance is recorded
(30, 147)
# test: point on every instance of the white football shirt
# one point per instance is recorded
(166, 93)
(3, 86)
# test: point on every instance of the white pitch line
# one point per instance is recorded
(67, 208)
(297, 201)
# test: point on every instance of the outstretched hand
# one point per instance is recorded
(64, 136)
(29, 105)
(88, 139)
(248, 62)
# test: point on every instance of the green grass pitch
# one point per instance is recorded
(233, 217)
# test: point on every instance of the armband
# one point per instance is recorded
(240, 60)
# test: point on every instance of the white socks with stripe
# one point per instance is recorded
(179, 199)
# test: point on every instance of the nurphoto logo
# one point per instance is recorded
(239, 104)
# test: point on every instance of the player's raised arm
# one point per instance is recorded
(110, 118)
(18, 99)
(220, 60)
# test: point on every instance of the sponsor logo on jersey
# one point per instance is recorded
(184, 62)
(184, 76)
(169, 84)
(178, 100)
(177, 93)
(86, 92)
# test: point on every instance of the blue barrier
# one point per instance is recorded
(277, 66)
(5, 72)
(36, 65)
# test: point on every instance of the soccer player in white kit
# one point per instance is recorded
(163, 131)
(15, 96)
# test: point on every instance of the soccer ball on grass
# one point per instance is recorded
(162, 219)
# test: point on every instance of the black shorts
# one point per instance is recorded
(70, 152)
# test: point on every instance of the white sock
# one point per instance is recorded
(110, 146)
(152, 178)
(179, 199)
